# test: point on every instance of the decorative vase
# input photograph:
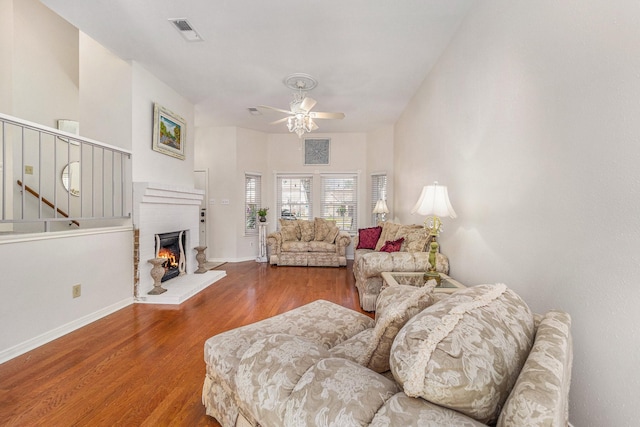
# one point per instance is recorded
(156, 273)
(262, 218)
(201, 257)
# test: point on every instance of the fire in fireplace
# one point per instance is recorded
(170, 246)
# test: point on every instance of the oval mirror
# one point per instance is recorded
(71, 178)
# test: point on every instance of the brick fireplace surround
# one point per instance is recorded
(161, 208)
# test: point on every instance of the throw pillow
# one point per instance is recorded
(392, 246)
(332, 234)
(415, 238)
(465, 352)
(290, 231)
(389, 231)
(307, 228)
(322, 227)
(291, 223)
(394, 307)
(368, 237)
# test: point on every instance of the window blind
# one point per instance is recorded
(294, 197)
(378, 191)
(339, 200)
(252, 195)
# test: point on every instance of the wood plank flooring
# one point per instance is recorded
(143, 365)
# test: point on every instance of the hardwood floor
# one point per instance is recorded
(143, 365)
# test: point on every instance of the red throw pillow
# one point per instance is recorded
(368, 237)
(392, 246)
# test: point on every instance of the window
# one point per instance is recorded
(339, 200)
(378, 191)
(252, 192)
(294, 197)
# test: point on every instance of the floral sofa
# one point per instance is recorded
(375, 253)
(477, 357)
(316, 242)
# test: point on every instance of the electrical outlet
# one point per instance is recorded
(28, 170)
(76, 290)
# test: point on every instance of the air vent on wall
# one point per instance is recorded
(186, 29)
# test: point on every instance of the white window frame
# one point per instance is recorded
(340, 191)
(300, 205)
(252, 201)
(379, 183)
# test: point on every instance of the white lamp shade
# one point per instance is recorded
(381, 207)
(434, 200)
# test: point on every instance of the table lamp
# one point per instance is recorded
(433, 202)
(381, 210)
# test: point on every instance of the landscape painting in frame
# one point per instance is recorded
(169, 132)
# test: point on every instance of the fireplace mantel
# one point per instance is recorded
(162, 208)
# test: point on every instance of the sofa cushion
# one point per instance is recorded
(321, 228)
(270, 369)
(355, 347)
(395, 306)
(368, 237)
(290, 230)
(389, 230)
(402, 410)
(295, 246)
(392, 246)
(321, 247)
(332, 234)
(337, 392)
(465, 352)
(307, 228)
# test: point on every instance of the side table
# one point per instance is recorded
(416, 278)
(262, 242)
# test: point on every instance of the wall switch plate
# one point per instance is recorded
(28, 170)
(76, 290)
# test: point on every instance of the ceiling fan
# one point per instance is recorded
(300, 118)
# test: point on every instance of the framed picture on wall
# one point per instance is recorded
(317, 151)
(169, 132)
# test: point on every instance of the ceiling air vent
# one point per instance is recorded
(184, 27)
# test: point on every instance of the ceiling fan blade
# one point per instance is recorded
(307, 104)
(284, 119)
(269, 109)
(320, 115)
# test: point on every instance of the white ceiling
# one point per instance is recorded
(369, 56)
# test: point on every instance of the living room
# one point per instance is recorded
(527, 117)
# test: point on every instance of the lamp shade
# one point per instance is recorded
(434, 200)
(381, 207)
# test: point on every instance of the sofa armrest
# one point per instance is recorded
(343, 239)
(540, 396)
(274, 241)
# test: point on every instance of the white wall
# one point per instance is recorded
(105, 96)
(149, 165)
(379, 160)
(530, 118)
(45, 76)
(40, 271)
(216, 148)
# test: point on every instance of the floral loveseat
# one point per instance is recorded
(375, 253)
(316, 242)
(477, 357)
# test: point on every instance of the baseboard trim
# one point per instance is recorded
(53, 334)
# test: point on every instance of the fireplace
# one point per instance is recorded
(170, 246)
